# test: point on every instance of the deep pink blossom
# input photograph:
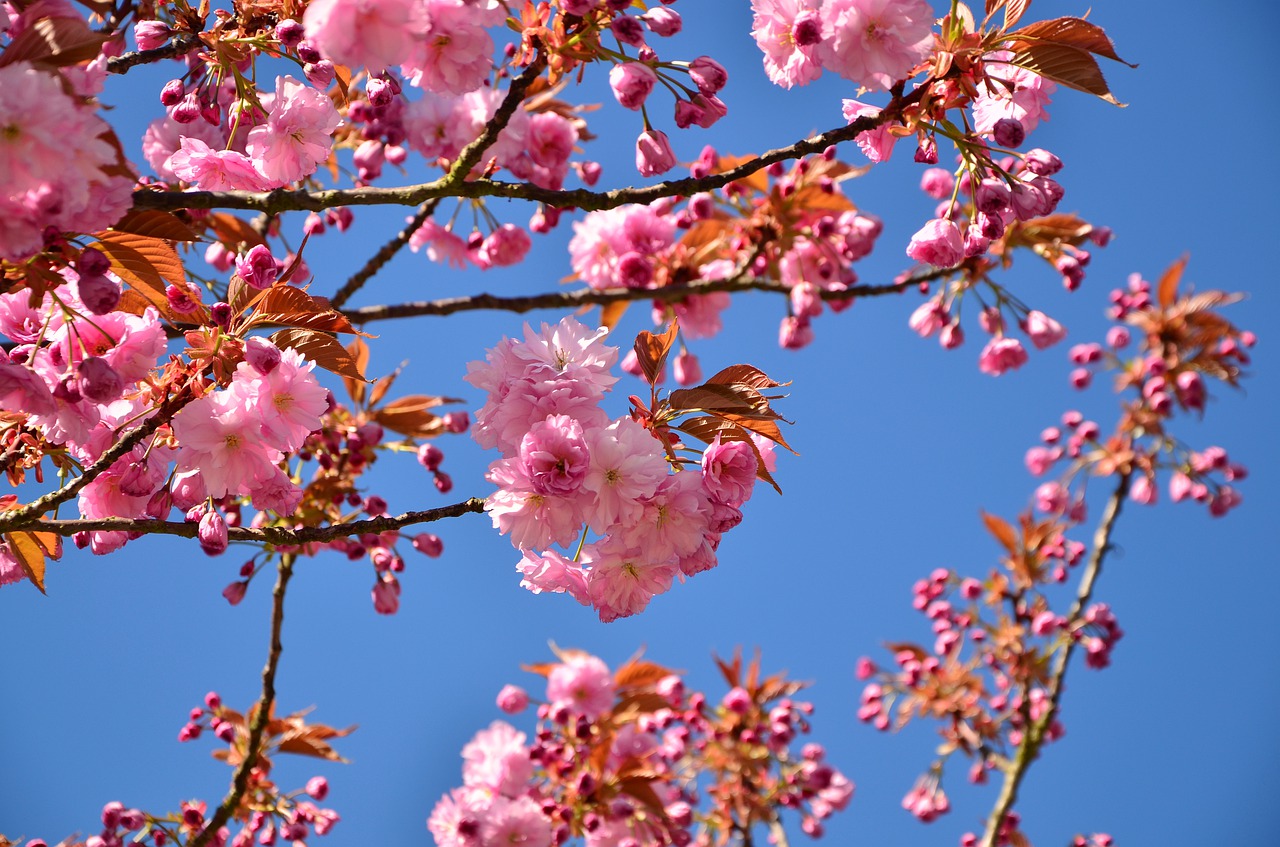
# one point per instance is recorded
(215, 170)
(1002, 354)
(627, 465)
(582, 684)
(938, 243)
(729, 471)
(788, 32)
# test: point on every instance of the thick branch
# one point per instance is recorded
(467, 159)
(261, 712)
(277, 535)
(181, 44)
(1035, 732)
(595, 297)
(285, 201)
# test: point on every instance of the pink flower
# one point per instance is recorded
(454, 54)
(788, 32)
(217, 437)
(581, 684)
(875, 42)
(213, 533)
(497, 759)
(215, 170)
(533, 520)
(1043, 330)
(554, 455)
(164, 137)
(441, 244)
(627, 465)
(673, 521)
(654, 155)
(21, 390)
(1012, 92)
(376, 34)
(519, 821)
(506, 245)
(623, 579)
(1000, 355)
(52, 163)
(876, 144)
(729, 471)
(298, 134)
(939, 243)
(554, 573)
(289, 399)
(386, 595)
(928, 318)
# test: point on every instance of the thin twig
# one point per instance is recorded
(467, 159)
(32, 511)
(1035, 730)
(277, 535)
(261, 713)
(181, 44)
(582, 198)
(594, 297)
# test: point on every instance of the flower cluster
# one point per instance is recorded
(627, 758)
(59, 166)
(568, 468)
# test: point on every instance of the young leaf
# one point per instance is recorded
(1002, 531)
(410, 416)
(233, 231)
(652, 351)
(611, 313)
(1067, 66)
(285, 305)
(1167, 290)
(155, 224)
(142, 259)
(27, 551)
(356, 388)
(321, 348)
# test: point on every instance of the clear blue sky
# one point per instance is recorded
(901, 444)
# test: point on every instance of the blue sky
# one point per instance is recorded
(901, 445)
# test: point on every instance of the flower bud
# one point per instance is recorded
(632, 82)
(261, 354)
(289, 33)
(99, 293)
(664, 22)
(97, 381)
(708, 74)
(257, 267)
(1042, 162)
(171, 94)
(654, 155)
(1009, 132)
(428, 544)
(212, 533)
(513, 699)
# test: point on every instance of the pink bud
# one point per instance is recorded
(261, 354)
(1009, 132)
(664, 22)
(213, 533)
(654, 155)
(708, 74)
(938, 243)
(318, 787)
(97, 381)
(99, 293)
(686, 368)
(632, 82)
(428, 544)
(257, 267)
(386, 595)
(1043, 330)
(513, 699)
(1042, 162)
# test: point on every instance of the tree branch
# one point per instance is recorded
(31, 512)
(277, 535)
(261, 713)
(1035, 731)
(280, 200)
(181, 44)
(594, 297)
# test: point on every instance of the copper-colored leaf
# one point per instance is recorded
(321, 348)
(641, 788)
(357, 388)
(1003, 532)
(611, 313)
(812, 197)
(1167, 290)
(26, 550)
(1071, 32)
(542, 669)
(50, 542)
(639, 673)
(1013, 12)
(58, 42)
(144, 259)
(156, 224)
(652, 351)
(745, 374)
(1065, 65)
(285, 305)
(234, 231)
(410, 416)
(312, 741)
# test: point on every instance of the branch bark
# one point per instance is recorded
(596, 297)
(277, 535)
(1032, 739)
(181, 44)
(261, 713)
(274, 202)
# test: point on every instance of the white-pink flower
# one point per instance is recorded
(215, 170)
(298, 134)
(497, 759)
(875, 42)
(581, 684)
(376, 34)
(788, 32)
(627, 465)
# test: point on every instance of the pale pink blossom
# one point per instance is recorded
(1010, 92)
(298, 134)
(164, 137)
(875, 42)
(441, 245)
(876, 144)
(673, 521)
(218, 437)
(497, 759)
(554, 573)
(454, 54)
(623, 579)
(288, 399)
(215, 170)
(532, 519)
(376, 34)
(788, 32)
(582, 684)
(627, 464)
